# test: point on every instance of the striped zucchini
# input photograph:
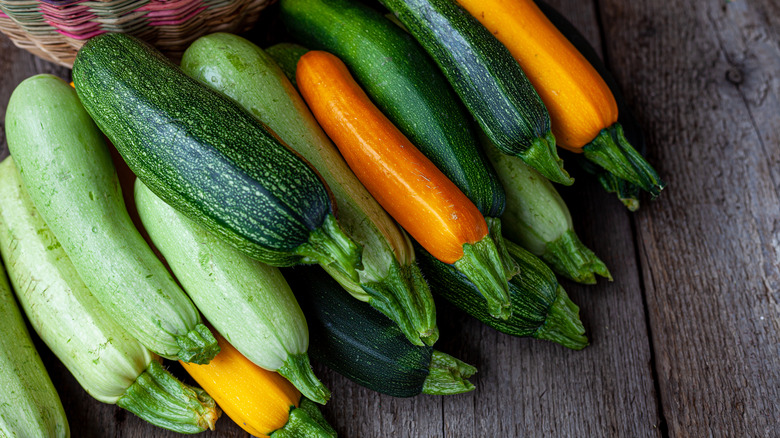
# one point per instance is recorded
(66, 166)
(247, 302)
(487, 79)
(29, 406)
(105, 359)
(540, 307)
(208, 157)
(359, 343)
(538, 219)
(402, 80)
(390, 279)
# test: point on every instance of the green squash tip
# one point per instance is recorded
(448, 375)
(297, 370)
(612, 151)
(197, 346)
(563, 324)
(482, 265)
(328, 244)
(543, 157)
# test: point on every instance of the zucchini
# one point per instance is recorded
(209, 158)
(30, 406)
(247, 302)
(66, 166)
(106, 360)
(390, 279)
(286, 56)
(626, 191)
(359, 343)
(400, 78)
(540, 307)
(538, 219)
(488, 80)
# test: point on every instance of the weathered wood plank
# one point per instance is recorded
(704, 80)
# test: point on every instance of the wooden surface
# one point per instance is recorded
(686, 340)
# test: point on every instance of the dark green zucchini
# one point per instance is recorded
(627, 192)
(488, 79)
(209, 158)
(356, 341)
(540, 307)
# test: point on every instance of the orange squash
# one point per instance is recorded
(404, 182)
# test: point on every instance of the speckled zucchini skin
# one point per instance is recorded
(355, 340)
(405, 83)
(199, 151)
(486, 77)
(540, 307)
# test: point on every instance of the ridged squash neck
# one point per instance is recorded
(159, 398)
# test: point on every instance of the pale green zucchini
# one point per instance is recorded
(537, 218)
(246, 301)
(107, 362)
(29, 405)
(67, 169)
(390, 279)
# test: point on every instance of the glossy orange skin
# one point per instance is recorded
(257, 400)
(579, 101)
(405, 183)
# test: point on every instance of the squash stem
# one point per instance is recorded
(305, 421)
(568, 256)
(482, 265)
(448, 375)
(198, 346)
(543, 157)
(627, 192)
(297, 370)
(563, 324)
(612, 151)
(157, 397)
(329, 244)
(404, 297)
(511, 268)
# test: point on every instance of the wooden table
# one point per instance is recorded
(686, 340)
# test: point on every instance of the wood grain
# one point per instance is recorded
(704, 80)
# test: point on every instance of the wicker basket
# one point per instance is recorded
(56, 29)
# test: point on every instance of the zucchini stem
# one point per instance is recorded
(511, 268)
(612, 151)
(482, 265)
(568, 256)
(543, 156)
(329, 244)
(627, 192)
(305, 421)
(197, 346)
(297, 370)
(404, 297)
(448, 375)
(157, 397)
(563, 324)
